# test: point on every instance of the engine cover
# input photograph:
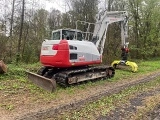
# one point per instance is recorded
(68, 53)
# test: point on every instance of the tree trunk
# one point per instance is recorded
(11, 28)
(20, 35)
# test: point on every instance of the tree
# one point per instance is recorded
(54, 20)
(28, 28)
(3, 43)
(11, 28)
(35, 31)
(144, 27)
(84, 10)
(20, 34)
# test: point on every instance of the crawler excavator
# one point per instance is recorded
(72, 55)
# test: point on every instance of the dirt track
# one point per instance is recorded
(129, 111)
(155, 114)
(92, 94)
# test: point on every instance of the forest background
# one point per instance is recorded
(26, 24)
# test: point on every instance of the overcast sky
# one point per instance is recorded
(56, 4)
(5, 5)
(60, 4)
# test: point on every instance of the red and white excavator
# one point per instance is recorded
(69, 58)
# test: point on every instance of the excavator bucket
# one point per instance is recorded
(43, 82)
(3, 67)
(133, 65)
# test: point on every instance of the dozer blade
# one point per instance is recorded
(133, 65)
(43, 82)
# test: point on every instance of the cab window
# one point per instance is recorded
(70, 35)
(56, 35)
(79, 36)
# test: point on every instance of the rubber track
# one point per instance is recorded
(61, 77)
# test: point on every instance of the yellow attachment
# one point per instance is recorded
(133, 65)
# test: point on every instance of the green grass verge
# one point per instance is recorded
(15, 81)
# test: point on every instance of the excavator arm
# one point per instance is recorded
(99, 35)
(101, 27)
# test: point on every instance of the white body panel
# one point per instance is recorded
(46, 48)
(85, 50)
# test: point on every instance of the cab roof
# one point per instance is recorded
(76, 30)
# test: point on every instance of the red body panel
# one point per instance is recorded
(62, 58)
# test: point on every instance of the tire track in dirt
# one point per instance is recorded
(155, 114)
(53, 111)
(127, 111)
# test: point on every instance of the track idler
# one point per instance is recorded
(43, 82)
(133, 65)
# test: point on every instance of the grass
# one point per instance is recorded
(106, 104)
(17, 77)
(7, 106)
(15, 82)
(151, 103)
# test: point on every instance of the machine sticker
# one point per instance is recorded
(45, 48)
(81, 58)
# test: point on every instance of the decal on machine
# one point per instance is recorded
(81, 58)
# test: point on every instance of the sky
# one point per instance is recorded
(56, 4)
(46, 4)
(5, 5)
(60, 5)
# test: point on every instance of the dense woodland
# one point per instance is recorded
(26, 24)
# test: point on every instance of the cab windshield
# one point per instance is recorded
(70, 35)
